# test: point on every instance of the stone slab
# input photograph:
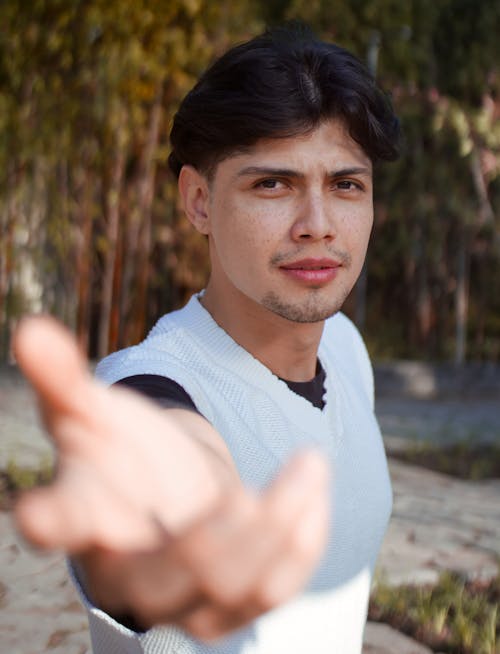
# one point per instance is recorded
(381, 639)
(440, 523)
(39, 609)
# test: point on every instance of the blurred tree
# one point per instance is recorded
(89, 226)
(87, 92)
(441, 60)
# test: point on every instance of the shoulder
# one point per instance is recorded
(343, 339)
(340, 324)
(340, 330)
(169, 351)
(155, 355)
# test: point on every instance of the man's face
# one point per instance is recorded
(289, 223)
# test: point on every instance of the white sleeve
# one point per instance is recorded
(106, 634)
(110, 637)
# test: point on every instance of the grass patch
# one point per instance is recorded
(15, 479)
(466, 460)
(454, 616)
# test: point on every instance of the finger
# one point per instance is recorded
(303, 530)
(233, 557)
(210, 622)
(157, 588)
(301, 481)
(279, 581)
(173, 592)
(293, 566)
(306, 474)
(49, 357)
(205, 546)
(294, 518)
(162, 607)
(78, 511)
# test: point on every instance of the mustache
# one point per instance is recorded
(281, 258)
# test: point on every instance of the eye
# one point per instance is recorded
(348, 185)
(270, 183)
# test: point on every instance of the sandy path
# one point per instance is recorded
(437, 523)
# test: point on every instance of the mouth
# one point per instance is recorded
(311, 264)
(318, 271)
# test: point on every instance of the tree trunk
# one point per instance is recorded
(114, 327)
(424, 305)
(6, 247)
(8, 263)
(360, 295)
(486, 213)
(140, 226)
(84, 257)
(461, 298)
(113, 195)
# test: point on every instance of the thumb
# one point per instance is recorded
(306, 473)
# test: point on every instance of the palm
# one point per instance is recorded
(120, 459)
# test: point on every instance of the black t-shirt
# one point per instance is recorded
(169, 394)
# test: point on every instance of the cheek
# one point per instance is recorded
(357, 228)
(248, 234)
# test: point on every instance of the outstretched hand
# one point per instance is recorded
(120, 460)
(149, 502)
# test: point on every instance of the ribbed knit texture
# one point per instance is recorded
(263, 423)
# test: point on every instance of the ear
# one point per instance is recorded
(193, 189)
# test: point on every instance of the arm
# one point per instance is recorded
(149, 502)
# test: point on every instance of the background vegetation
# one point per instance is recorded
(455, 616)
(89, 226)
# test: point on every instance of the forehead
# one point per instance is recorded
(326, 147)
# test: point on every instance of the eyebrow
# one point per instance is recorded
(267, 170)
(288, 172)
(353, 170)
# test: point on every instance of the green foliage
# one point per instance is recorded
(89, 226)
(466, 44)
(454, 616)
(16, 478)
(466, 459)
(87, 93)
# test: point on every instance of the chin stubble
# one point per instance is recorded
(313, 310)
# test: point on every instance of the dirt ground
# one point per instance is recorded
(438, 522)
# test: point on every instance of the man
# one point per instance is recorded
(193, 528)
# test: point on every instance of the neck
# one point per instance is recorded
(287, 348)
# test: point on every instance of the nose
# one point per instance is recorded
(314, 220)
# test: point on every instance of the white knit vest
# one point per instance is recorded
(263, 422)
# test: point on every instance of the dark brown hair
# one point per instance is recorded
(279, 84)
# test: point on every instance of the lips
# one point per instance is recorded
(317, 271)
(311, 264)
